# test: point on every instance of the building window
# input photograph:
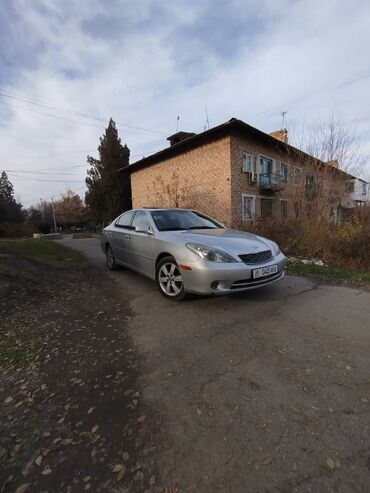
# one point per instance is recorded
(284, 208)
(284, 172)
(297, 174)
(248, 207)
(351, 186)
(247, 163)
(266, 165)
(364, 188)
(266, 207)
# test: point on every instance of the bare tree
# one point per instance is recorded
(173, 192)
(335, 143)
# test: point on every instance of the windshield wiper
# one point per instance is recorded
(203, 227)
(172, 229)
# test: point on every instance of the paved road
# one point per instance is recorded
(261, 391)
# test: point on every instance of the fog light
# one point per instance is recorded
(214, 284)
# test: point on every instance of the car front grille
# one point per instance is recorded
(256, 258)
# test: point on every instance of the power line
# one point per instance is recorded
(69, 119)
(309, 96)
(6, 94)
(41, 179)
(40, 172)
(38, 156)
(50, 115)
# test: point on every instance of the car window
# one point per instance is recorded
(141, 220)
(125, 220)
(177, 219)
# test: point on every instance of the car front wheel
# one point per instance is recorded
(169, 279)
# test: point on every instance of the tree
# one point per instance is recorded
(335, 143)
(10, 209)
(69, 208)
(109, 192)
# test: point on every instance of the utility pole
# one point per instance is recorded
(55, 223)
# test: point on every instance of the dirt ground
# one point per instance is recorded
(266, 391)
(72, 417)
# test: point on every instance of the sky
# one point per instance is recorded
(67, 66)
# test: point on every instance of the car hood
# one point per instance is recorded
(232, 241)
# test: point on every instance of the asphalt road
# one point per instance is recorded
(262, 391)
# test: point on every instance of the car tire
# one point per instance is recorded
(109, 257)
(169, 279)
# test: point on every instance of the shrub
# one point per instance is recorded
(17, 230)
(346, 245)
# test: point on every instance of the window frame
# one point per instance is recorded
(141, 212)
(285, 201)
(253, 208)
(271, 199)
(244, 168)
(268, 158)
(125, 226)
(282, 164)
(297, 176)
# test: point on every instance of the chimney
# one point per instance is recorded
(334, 163)
(280, 135)
(179, 137)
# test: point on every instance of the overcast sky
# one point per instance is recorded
(145, 62)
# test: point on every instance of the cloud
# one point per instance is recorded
(144, 63)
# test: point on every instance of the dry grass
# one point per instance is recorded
(346, 245)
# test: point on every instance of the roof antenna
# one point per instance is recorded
(177, 124)
(207, 119)
(283, 113)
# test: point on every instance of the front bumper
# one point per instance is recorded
(230, 278)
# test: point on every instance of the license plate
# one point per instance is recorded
(264, 271)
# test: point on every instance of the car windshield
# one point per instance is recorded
(178, 220)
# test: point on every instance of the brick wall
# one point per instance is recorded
(210, 178)
(241, 183)
(198, 178)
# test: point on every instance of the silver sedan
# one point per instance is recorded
(185, 251)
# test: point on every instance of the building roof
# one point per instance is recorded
(233, 126)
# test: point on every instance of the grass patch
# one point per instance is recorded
(327, 272)
(18, 348)
(40, 249)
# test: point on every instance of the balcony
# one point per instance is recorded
(270, 182)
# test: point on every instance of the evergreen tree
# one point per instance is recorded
(10, 210)
(108, 192)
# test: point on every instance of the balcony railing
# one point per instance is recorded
(270, 182)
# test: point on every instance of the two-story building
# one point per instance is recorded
(359, 192)
(233, 172)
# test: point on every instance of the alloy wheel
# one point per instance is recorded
(170, 279)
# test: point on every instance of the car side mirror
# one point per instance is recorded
(141, 229)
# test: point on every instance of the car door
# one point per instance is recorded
(141, 243)
(121, 237)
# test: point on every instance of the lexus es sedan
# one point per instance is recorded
(185, 251)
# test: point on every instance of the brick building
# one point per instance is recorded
(233, 172)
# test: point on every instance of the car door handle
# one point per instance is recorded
(128, 237)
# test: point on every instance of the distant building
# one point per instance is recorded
(359, 191)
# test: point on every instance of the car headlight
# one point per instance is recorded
(210, 253)
(275, 248)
